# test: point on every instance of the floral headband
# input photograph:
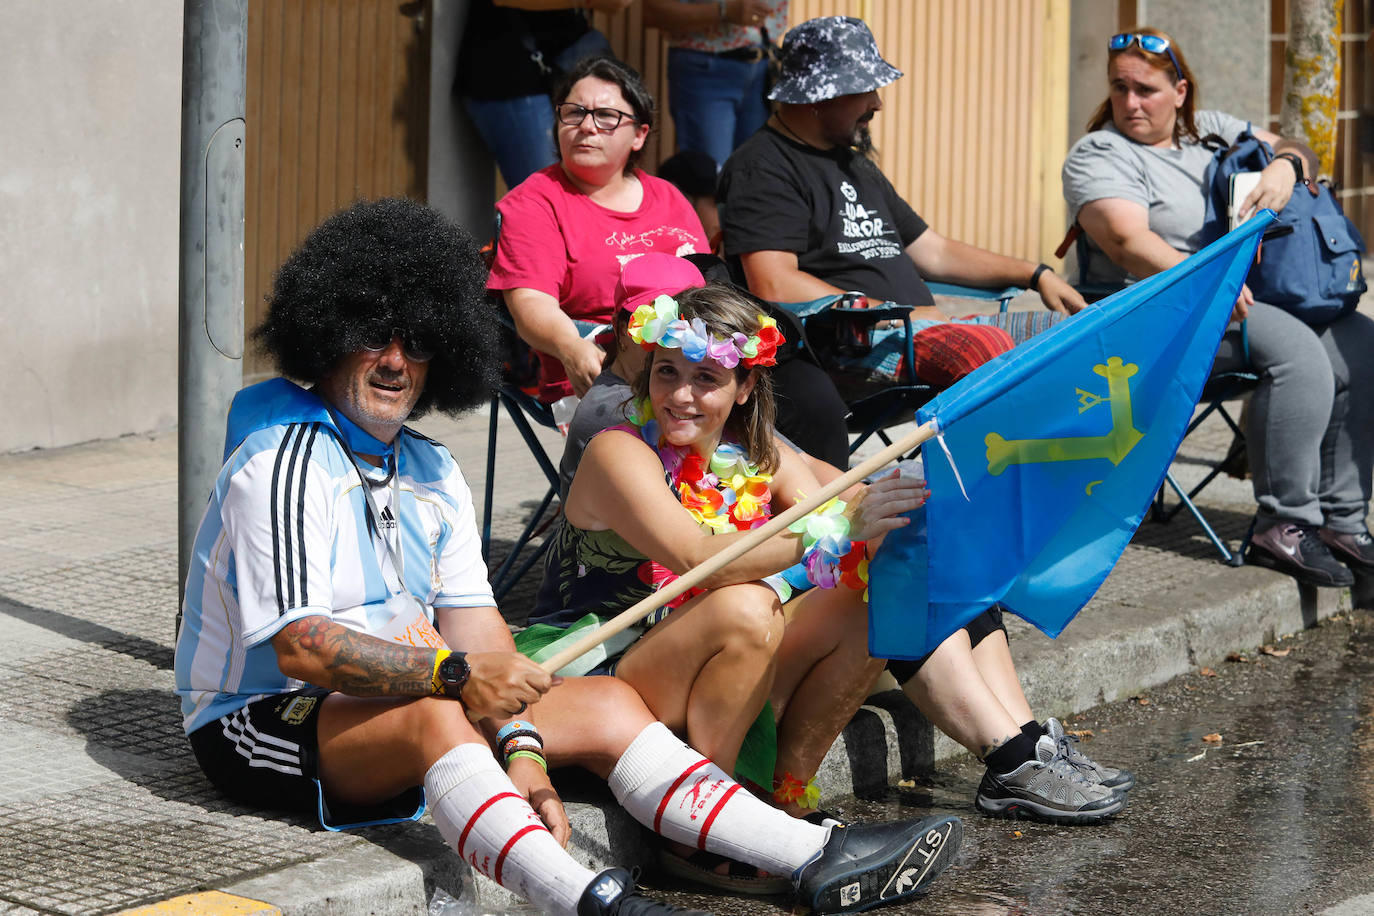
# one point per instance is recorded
(657, 324)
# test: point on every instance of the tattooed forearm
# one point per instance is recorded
(358, 664)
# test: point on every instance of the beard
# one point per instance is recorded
(863, 141)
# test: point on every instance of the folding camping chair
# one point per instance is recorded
(1219, 389)
(899, 391)
(525, 411)
(515, 394)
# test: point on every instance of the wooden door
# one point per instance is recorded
(973, 135)
(337, 110)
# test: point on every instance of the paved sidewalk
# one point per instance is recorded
(102, 808)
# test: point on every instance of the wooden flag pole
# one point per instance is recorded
(751, 539)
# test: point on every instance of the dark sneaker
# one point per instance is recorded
(612, 893)
(1354, 550)
(1048, 788)
(866, 866)
(1297, 551)
(1111, 777)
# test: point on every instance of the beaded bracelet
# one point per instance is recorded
(531, 755)
(511, 728)
(519, 742)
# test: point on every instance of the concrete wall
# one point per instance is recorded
(1234, 73)
(1227, 43)
(89, 158)
(1091, 22)
(460, 179)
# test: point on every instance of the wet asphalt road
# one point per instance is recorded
(1276, 817)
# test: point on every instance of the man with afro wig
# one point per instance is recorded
(340, 651)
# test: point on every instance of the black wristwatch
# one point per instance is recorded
(1296, 161)
(453, 674)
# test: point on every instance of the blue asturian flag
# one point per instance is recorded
(1059, 444)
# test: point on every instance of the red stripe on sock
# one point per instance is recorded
(501, 859)
(663, 805)
(710, 818)
(463, 837)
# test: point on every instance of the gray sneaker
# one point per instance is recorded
(1111, 777)
(1298, 551)
(1048, 788)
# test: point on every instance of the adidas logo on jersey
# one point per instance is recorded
(388, 520)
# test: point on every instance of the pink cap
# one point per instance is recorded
(649, 276)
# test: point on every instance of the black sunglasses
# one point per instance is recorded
(380, 338)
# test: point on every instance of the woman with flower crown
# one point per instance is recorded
(698, 464)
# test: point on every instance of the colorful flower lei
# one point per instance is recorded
(657, 324)
(791, 789)
(726, 493)
(831, 557)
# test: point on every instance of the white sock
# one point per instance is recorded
(483, 817)
(674, 791)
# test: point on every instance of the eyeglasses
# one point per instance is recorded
(1152, 43)
(379, 339)
(573, 114)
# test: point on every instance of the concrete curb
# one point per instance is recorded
(1117, 651)
(103, 807)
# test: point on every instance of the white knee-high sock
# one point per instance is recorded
(675, 791)
(483, 817)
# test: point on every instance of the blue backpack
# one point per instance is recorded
(1310, 262)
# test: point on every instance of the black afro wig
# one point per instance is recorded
(391, 263)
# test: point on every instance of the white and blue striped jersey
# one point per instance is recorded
(287, 534)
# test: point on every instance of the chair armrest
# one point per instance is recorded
(810, 308)
(1002, 295)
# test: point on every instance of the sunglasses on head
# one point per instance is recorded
(1152, 43)
(380, 338)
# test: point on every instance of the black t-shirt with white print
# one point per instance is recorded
(834, 209)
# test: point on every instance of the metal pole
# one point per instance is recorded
(210, 370)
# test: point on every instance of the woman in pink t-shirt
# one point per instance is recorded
(568, 229)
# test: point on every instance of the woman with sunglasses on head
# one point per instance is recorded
(1137, 184)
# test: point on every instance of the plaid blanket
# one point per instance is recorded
(945, 351)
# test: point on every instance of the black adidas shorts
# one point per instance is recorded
(266, 755)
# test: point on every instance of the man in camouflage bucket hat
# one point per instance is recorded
(830, 57)
(808, 215)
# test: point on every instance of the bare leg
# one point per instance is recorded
(371, 749)
(706, 670)
(992, 656)
(824, 673)
(951, 692)
(590, 721)
(374, 748)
